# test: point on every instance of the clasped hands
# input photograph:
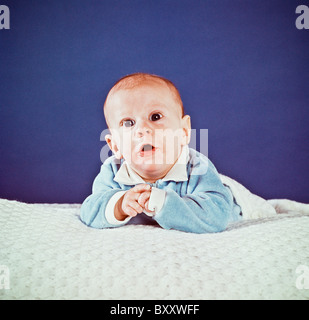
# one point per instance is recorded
(133, 202)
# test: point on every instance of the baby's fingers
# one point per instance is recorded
(143, 198)
(131, 208)
(129, 211)
(147, 207)
(141, 188)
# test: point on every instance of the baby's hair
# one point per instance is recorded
(134, 80)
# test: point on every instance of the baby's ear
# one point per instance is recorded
(113, 146)
(186, 126)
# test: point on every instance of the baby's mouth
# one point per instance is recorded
(147, 149)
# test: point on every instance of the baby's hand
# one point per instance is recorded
(143, 200)
(131, 205)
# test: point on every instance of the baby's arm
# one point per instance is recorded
(198, 213)
(132, 202)
(109, 205)
(205, 205)
(97, 210)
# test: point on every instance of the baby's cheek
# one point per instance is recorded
(126, 142)
(172, 147)
(172, 140)
(127, 154)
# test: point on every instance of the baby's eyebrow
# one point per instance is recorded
(156, 104)
(123, 115)
(124, 119)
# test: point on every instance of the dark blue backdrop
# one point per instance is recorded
(242, 68)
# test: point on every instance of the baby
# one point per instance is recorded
(153, 172)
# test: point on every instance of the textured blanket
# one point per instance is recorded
(254, 206)
(46, 252)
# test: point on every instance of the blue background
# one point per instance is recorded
(242, 68)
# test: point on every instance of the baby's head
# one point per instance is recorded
(148, 126)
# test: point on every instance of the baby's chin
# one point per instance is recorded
(152, 171)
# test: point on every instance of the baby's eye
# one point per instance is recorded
(156, 116)
(128, 123)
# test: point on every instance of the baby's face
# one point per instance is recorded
(147, 128)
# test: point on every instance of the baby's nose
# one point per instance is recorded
(142, 129)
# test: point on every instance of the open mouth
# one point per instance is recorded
(147, 149)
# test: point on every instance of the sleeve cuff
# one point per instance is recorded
(109, 210)
(156, 201)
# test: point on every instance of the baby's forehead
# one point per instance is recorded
(153, 91)
(151, 86)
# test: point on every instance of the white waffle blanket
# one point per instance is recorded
(46, 252)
